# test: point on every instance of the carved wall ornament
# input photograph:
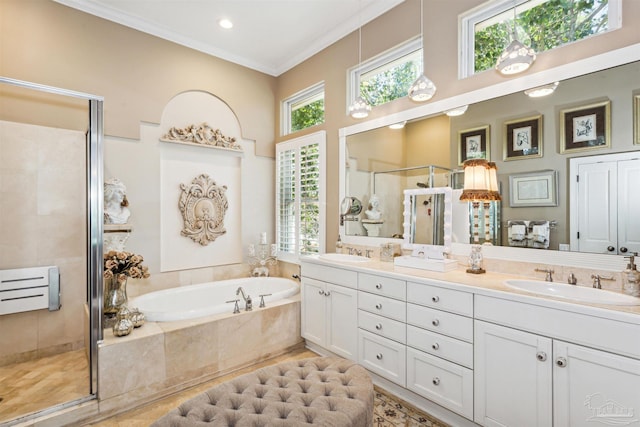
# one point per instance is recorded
(202, 134)
(203, 206)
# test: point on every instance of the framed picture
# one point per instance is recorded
(533, 189)
(586, 127)
(636, 119)
(473, 144)
(523, 138)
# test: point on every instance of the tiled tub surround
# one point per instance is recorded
(161, 358)
(468, 349)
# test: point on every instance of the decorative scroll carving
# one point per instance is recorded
(203, 205)
(202, 134)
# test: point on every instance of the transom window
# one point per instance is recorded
(540, 24)
(303, 110)
(387, 76)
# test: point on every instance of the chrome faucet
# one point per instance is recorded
(548, 277)
(248, 305)
(597, 278)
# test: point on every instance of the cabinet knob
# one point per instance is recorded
(436, 381)
(561, 362)
(379, 306)
(379, 356)
(541, 356)
(435, 322)
(321, 292)
(623, 250)
(326, 294)
(611, 248)
(379, 286)
(435, 298)
(379, 326)
(435, 346)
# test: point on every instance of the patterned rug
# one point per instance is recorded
(390, 411)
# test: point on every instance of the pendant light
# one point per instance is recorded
(517, 57)
(422, 89)
(359, 108)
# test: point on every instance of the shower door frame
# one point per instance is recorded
(95, 201)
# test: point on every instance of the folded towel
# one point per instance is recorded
(540, 233)
(518, 232)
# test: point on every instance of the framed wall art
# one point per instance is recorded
(533, 189)
(586, 127)
(636, 119)
(522, 138)
(473, 144)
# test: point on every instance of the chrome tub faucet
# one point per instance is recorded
(248, 305)
(548, 277)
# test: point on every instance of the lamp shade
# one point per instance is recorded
(494, 189)
(515, 59)
(477, 181)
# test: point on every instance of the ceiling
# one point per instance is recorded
(271, 36)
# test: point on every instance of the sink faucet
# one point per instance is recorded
(248, 305)
(597, 278)
(548, 277)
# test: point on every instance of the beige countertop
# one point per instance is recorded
(489, 284)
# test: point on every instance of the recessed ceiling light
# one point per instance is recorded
(225, 23)
(537, 92)
(398, 125)
(457, 111)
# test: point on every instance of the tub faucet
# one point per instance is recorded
(548, 277)
(248, 305)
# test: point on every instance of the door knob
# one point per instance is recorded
(435, 299)
(321, 292)
(435, 346)
(436, 381)
(379, 286)
(623, 250)
(379, 356)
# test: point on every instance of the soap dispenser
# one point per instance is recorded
(631, 277)
(339, 245)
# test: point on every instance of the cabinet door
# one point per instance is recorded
(342, 321)
(512, 377)
(592, 387)
(628, 206)
(313, 322)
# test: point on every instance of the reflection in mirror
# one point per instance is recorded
(433, 140)
(427, 217)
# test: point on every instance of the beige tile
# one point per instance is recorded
(191, 349)
(15, 337)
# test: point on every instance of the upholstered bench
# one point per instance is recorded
(324, 391)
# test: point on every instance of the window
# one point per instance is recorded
(300, 198)
(540, 24)
(387, 76)
(303, 110)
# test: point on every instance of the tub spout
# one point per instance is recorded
(248, 305)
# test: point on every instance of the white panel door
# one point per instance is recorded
(596, 211)
(342, 321)
(512, 377)
(594, 388)
(628, 206)
(313, 322)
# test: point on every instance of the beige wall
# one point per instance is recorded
(441, 65)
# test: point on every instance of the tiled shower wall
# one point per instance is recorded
(43, 222)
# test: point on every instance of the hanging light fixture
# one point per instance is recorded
(517, 57)
(422, 89)
(359, 108)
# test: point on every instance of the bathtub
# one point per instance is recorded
(205, 299)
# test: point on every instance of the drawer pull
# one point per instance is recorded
(321, 292)
(435, 299)
(435, 322)
(436, 381)
(541, 356)
(379, 286)
(561, 362)
(379, 356)
(379, 306)
(435, 346)
(379, 326)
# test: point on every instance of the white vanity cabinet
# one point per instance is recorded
(532, 376)
(381, 323)
(440, 346)
(330, 309)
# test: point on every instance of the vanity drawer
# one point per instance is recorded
(382, 356)
(443, 382)
(330, 274)
(382, 326)
(441, 298)
(454, 350)
(445, 323)
(381, 285)
(382, 306)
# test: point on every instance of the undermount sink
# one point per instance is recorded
(343, 257)
(571, 292)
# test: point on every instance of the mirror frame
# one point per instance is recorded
(585, 66)
(408, 221)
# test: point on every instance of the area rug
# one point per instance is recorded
(390, 411)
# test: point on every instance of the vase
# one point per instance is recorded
(115, 294)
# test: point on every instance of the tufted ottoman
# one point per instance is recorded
(323, 391)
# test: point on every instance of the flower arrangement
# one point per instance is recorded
(124, 264)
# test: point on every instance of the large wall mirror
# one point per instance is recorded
(380, 162)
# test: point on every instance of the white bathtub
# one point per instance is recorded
(204, 299)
